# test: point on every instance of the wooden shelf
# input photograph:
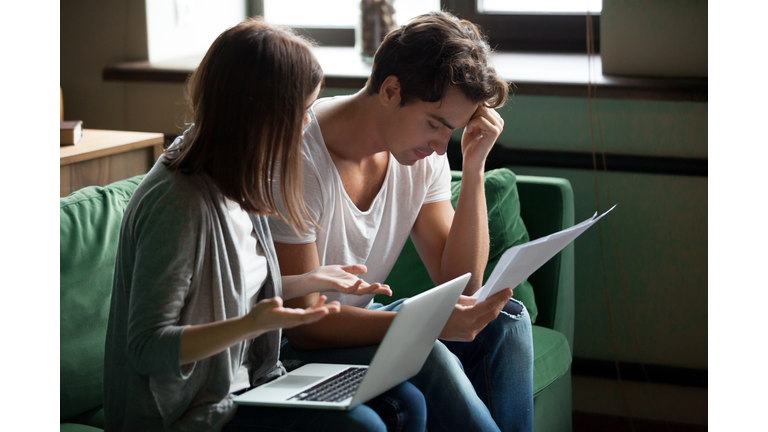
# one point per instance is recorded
(104, 156)
(565, 75)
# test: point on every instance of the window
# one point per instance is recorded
(511, 25)
(532, 25)
(331, 22)
(335, 13)
(539, 6)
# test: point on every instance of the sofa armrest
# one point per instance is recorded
(546, 206)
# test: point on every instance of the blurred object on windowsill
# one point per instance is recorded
(377, 18)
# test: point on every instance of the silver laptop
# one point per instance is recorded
(400, 356)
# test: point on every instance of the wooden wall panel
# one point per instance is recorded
(65, 181)
(105, 170)
(92, 172)
(129, 164)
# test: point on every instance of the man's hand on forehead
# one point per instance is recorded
(479, 136)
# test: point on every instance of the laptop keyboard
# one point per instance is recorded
(334, 389)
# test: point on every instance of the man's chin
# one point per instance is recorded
(404, 160)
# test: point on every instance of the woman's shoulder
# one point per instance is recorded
(167, 193)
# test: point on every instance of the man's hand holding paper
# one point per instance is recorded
(520, 261)
(470, 316)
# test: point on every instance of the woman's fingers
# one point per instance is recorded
(362, 288)
(355, 268)
(320, 302)
(290, 317)
(269, 314)
(270, 303)
(332, 307)
(382, 289)
(342, 278)
(356, 286)
(295, 317)
(378, 288)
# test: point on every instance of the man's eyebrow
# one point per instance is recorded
(442, 120)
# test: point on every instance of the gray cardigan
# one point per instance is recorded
(177, 265)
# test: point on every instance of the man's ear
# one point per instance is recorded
(389, 92)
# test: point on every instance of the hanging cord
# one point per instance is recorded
(592, 95)
(590, 55)
(632, 329)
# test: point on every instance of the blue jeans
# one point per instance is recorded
(483, 385)
(400, 409)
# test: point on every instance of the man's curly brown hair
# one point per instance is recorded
(433, 52)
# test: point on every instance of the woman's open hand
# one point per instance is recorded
(269, 314)
(344, 280)
(205, 340)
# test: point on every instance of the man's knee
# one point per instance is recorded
(441, 359)
(514, 309)
(512, 320)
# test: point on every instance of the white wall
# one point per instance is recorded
(94, 34)
(97, 33)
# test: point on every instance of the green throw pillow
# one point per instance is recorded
(409, 276)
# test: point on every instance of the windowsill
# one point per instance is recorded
(565, 75)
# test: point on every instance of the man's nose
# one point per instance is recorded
(441, 146)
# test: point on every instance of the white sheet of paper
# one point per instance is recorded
(520, 261)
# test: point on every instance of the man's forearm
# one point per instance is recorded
(352, 327)
(466, 249)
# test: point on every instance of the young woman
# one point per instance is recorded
(196, 306)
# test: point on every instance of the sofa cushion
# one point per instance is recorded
(94, 417)
(551, 357)
(505, 226)
(89, 226)
(73, 427)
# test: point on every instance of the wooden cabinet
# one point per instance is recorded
(103, 156)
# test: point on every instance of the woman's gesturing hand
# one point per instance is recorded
(343, 279)
(269, 314)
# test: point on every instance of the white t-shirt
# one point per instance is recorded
(349, 236)
(253, 262)
(252, 258)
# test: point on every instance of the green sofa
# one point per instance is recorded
(521, 208)
(89, 227)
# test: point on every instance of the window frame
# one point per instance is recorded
(543, 32)
(325, 36)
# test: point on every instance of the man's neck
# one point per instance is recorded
(349, 127)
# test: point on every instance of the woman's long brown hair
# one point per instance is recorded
(248, 101)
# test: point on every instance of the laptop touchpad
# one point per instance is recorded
(294, 382)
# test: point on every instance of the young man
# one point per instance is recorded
(375, 172)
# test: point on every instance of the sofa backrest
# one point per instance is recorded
(505, 227)
(89, 227)
(547, 207)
